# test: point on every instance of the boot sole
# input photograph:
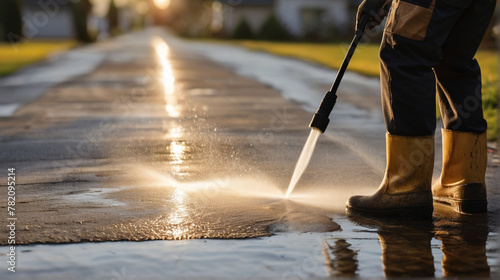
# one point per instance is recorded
(464, 206)
(412, 213)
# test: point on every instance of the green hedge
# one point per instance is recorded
(273, 30)
(243, 31)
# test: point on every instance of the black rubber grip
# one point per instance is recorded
(321, 119)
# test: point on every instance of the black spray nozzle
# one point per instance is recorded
(320, 120)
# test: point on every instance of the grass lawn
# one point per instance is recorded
(365, 61)
(13, 57)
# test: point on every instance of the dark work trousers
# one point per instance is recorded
(429, 46)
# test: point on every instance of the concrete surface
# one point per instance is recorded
(166, 139)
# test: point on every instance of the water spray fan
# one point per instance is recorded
(320, 120)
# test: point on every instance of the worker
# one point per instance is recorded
(428, 46)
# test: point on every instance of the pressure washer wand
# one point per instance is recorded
(321, 119)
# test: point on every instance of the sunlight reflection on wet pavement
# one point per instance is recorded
(177, 217)
(197, 157)
(218, 208)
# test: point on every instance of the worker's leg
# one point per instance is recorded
(458, 73)
(412, 46)
(462, 182)
(414, 36)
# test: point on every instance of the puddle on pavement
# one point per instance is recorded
(218, 208)
(7, 110)
(365, 248)
(96, 196)
(369, 247)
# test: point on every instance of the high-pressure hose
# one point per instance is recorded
(321, 119)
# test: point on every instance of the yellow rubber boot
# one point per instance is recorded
(462, 183)
(406, 188)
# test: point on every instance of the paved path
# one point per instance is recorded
(29, 83)
(103, 156)
(167, 139)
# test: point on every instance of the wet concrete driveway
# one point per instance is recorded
(169, 140)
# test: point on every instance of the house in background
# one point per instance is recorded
(254, 12)
(55, 19)
(47, 19)
(314, 18)
(301, 18)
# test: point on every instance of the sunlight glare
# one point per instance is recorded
(175, 132)
(162, 4)
(177, 149)
(177, 218)
(167, 76)
(172, 111)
